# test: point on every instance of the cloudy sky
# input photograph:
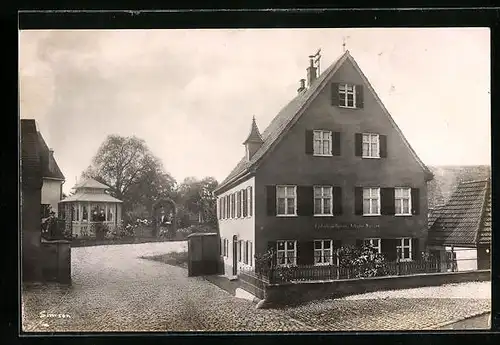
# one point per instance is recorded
(191, 94)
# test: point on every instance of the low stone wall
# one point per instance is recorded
(56, 261)
(252, 284)
(292, 293)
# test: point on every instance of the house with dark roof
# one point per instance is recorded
(331, 169)
(53, 178)
(41, 187)
(461, 229)
(448, 177)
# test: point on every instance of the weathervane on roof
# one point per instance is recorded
(344, 38)
(316, 58)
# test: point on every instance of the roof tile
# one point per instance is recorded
(460, 221)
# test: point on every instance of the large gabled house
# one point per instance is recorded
(331, 169)
(461, 228)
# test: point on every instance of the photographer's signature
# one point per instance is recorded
(43, 314)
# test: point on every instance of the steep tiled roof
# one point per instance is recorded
(31, 172)
(447, 178)
(460, 221)
(433, 215)
(485, 233)
(49, 165)
(285, 119)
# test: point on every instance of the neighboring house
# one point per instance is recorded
(41, 181)
(90, 204)
(461, 229)
(53, 179)
(331, 169)
(447, 178)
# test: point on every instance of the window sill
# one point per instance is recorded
(323, 215)
(403, 215)
(286, 215)
(369, 157)
(347, 107)
(371, 215)
(319, 155)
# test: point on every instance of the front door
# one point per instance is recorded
(235, 255)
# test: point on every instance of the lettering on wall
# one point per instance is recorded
(346, 226)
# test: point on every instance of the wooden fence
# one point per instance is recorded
(298, 273)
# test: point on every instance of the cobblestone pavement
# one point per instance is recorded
(114, 290)
(386, 314)
(478, 290)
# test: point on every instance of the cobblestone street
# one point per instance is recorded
(114, 290)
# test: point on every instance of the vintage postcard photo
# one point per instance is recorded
(255, 180)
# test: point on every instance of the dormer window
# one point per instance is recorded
(347, 95)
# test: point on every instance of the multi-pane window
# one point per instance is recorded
(323, 252)
(371, 145)
(250, 201)
(233, 205)
(375, 243)
(240, 248)
(238, 204)
(371, 201)
(250, 255)
(322, 143)
(402, 198)
(286, 252)
(245, 256)
(85, 213)
(347, 95)
(244, 192)
(404, 249)
(323, 200)
(223, 206)
(286, 200)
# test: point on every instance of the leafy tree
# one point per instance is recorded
(134, 174)
(197, 201)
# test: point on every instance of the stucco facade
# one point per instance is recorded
(52, 193)
(238, 228)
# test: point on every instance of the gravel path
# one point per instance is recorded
(114, 290)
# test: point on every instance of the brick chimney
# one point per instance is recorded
(311, 72)
(302, 85)
(51, 159)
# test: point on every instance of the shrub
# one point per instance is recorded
(263, 262)
(362, 261)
